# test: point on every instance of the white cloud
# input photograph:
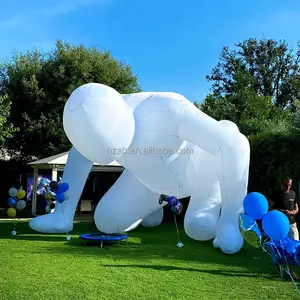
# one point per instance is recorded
(63, 7)
(9, 23)
(67, 6)
(32, 25)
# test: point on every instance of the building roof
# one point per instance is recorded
(61, 160)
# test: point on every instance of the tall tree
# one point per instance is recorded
(274, 70)
(6, 128)
(251, 112)
(38, 85)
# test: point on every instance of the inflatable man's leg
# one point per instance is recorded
(222, 139)
(154, 219)
(125, 205)
(233, 183)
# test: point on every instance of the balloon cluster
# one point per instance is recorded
(54, 192)
(276, 226)
(174, 204)
(15, 201)
(176, 208)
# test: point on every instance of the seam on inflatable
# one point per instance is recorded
(150, 112)
(93, 127)
(174, 172)
(223, 181)
(174, 156)
(78, 150)
(74, 136)
(155, 130)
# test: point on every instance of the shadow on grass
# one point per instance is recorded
(146, 244)
(191, 253)
(24, 232)
(207, 271)
(41, 238)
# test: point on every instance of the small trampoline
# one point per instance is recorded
(103, 238)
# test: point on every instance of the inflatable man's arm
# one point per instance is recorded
(232, 151)
(201, 130)
(76, 172)
(222, 139)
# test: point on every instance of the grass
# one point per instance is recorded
(41, 266)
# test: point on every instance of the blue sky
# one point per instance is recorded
(170, 44)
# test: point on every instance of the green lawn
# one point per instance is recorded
(37, 266)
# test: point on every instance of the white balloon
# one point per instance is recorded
(167, 146)
(21, 204)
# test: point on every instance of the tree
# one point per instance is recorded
(6, 128)
(257, 86)
(38, 85)
(251, 112)
(273, 69)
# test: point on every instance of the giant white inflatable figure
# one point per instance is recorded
(167, 146)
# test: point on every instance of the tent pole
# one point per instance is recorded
(34, 190)
(54, 173)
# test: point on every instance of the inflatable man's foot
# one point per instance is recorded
(51, 223)
(228, 239)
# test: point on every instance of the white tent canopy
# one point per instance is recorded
(57, 163)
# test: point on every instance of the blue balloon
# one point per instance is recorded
(172, 201)
(283, 252)
(60, 198)
(12, 202)
(256, 205)
(177, 209)
(44, 182)
(62, 188)
(276, 225)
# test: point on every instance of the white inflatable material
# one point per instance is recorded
(167, 146)
(154, 219)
